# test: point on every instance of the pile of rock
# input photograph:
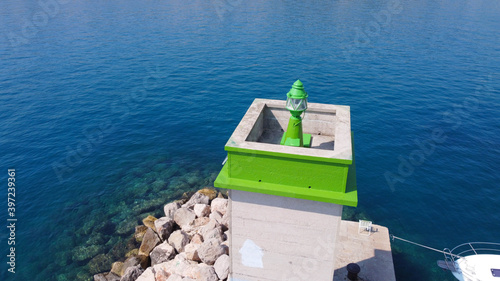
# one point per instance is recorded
(188, 243)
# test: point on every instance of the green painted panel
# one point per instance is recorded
(290, 175)
(349, 198)
(317, 175)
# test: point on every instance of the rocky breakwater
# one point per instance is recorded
(188, 243)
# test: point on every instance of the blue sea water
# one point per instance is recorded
(109, 109)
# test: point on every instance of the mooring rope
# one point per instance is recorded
(423, 246)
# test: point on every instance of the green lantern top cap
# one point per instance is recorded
(297, 91)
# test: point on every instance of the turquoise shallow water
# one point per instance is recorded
(110, 109)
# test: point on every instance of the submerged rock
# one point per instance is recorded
(149, 221)
(132, 261)
(106, 277)
(132, 273)
(145, 261)
(133, 252)
(148, 205)
(158, 184)
(99, 263)
(121, 247)
(125, 227)
(140, 230)
(117, 268)
(178, 184)
(82, 253)
(106, 227)
(87, 227)
(149, 242)
(192, 178)
(62, 258)
(96, 238)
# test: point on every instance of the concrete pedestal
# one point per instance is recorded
(286, 202)
(281, 238)
(372, 253)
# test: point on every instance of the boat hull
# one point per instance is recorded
(482, 267)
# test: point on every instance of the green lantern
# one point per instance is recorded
(296, 102)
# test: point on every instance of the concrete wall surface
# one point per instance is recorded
(371, 252)
(280, 238)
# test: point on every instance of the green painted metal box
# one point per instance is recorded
(256, 162)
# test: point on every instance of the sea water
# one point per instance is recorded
(110, 109)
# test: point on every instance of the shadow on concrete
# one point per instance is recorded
(372, 269)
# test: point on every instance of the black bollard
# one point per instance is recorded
(352, 271)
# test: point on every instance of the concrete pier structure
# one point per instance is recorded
(280, 238)
(324, 172)
(372, 253)
(286, 202)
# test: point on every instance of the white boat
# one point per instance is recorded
(474, 261)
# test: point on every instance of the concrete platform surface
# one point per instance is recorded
(372, 253)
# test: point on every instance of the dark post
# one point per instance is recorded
(352, 271)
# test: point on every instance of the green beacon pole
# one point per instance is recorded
(296, 103)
